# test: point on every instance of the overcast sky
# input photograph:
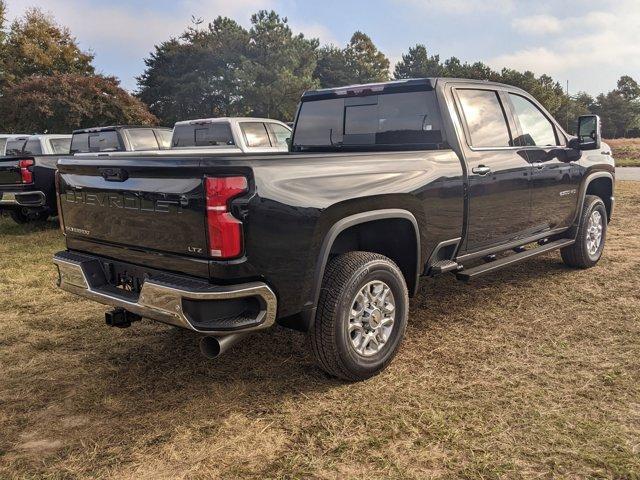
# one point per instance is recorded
(590, 43)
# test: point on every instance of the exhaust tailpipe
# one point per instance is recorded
(213, 347)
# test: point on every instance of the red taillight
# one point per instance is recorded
(25, 173)
(225, 231)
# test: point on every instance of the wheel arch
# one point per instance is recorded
(600, 184)
(337, 238)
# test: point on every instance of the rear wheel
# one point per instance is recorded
(591, 236)
(362, 316)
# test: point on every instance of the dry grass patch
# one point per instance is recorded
(626, 151)
(532, 373)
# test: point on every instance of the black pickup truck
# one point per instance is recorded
(384, 184)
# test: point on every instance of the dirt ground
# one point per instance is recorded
(531, 373)
(626, 151)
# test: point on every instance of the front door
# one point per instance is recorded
(555, 180)
(499, 173)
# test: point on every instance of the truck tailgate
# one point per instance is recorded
(145, 203)
(10, 171)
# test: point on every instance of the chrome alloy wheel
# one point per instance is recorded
(594, 232)
(371, 319)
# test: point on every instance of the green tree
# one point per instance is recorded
(279, 67)
(198, 74)
(620, 109)
(62, 103)
(365, 62)
(332, 69)
(36, 45)
(359, 62)
(628, 88)
(417, 63)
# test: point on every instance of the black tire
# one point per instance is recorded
(24, 215)
(578, 255)
(346, 276)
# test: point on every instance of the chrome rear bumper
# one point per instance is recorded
(22, 199)
(159, 299)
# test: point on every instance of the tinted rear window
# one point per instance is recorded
(60, 146)
(202, 135)
(15, 147)
(107, 141)
(387, 120)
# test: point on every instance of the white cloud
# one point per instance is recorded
(460, 6)
(315, 30)
(537, 24)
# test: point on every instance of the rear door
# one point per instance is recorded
(555, 179)
(499, 172)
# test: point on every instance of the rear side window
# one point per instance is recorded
(279, 134)
(485, 118)
(32, 147)
(393, 119)
(142, 139)
(15, 147)
(217, 134)
(60, 146)
(255, 134)
(536, 128)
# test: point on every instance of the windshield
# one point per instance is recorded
(216, 134)
(410, 119)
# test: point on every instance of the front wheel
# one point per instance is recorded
(591, 236)
(361, 317)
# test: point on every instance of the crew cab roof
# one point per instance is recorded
(395, 86)
(115, 127)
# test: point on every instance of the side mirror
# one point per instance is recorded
(589, 136)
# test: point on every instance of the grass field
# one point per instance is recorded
(626, 151)
(532, 373)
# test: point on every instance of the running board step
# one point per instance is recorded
(444, 266)
(470, 274)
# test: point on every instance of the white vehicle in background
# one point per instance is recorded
(47, 144)
(231, 135)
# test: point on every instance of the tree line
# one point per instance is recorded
(224, 69)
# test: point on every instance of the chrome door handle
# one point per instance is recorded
(538, 165)
(481, 170)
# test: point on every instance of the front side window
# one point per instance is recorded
(255, 134)
(60, 146)
(280, 134)
(537, 130)
(142, 139)
(32, 147)
(485, 118)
